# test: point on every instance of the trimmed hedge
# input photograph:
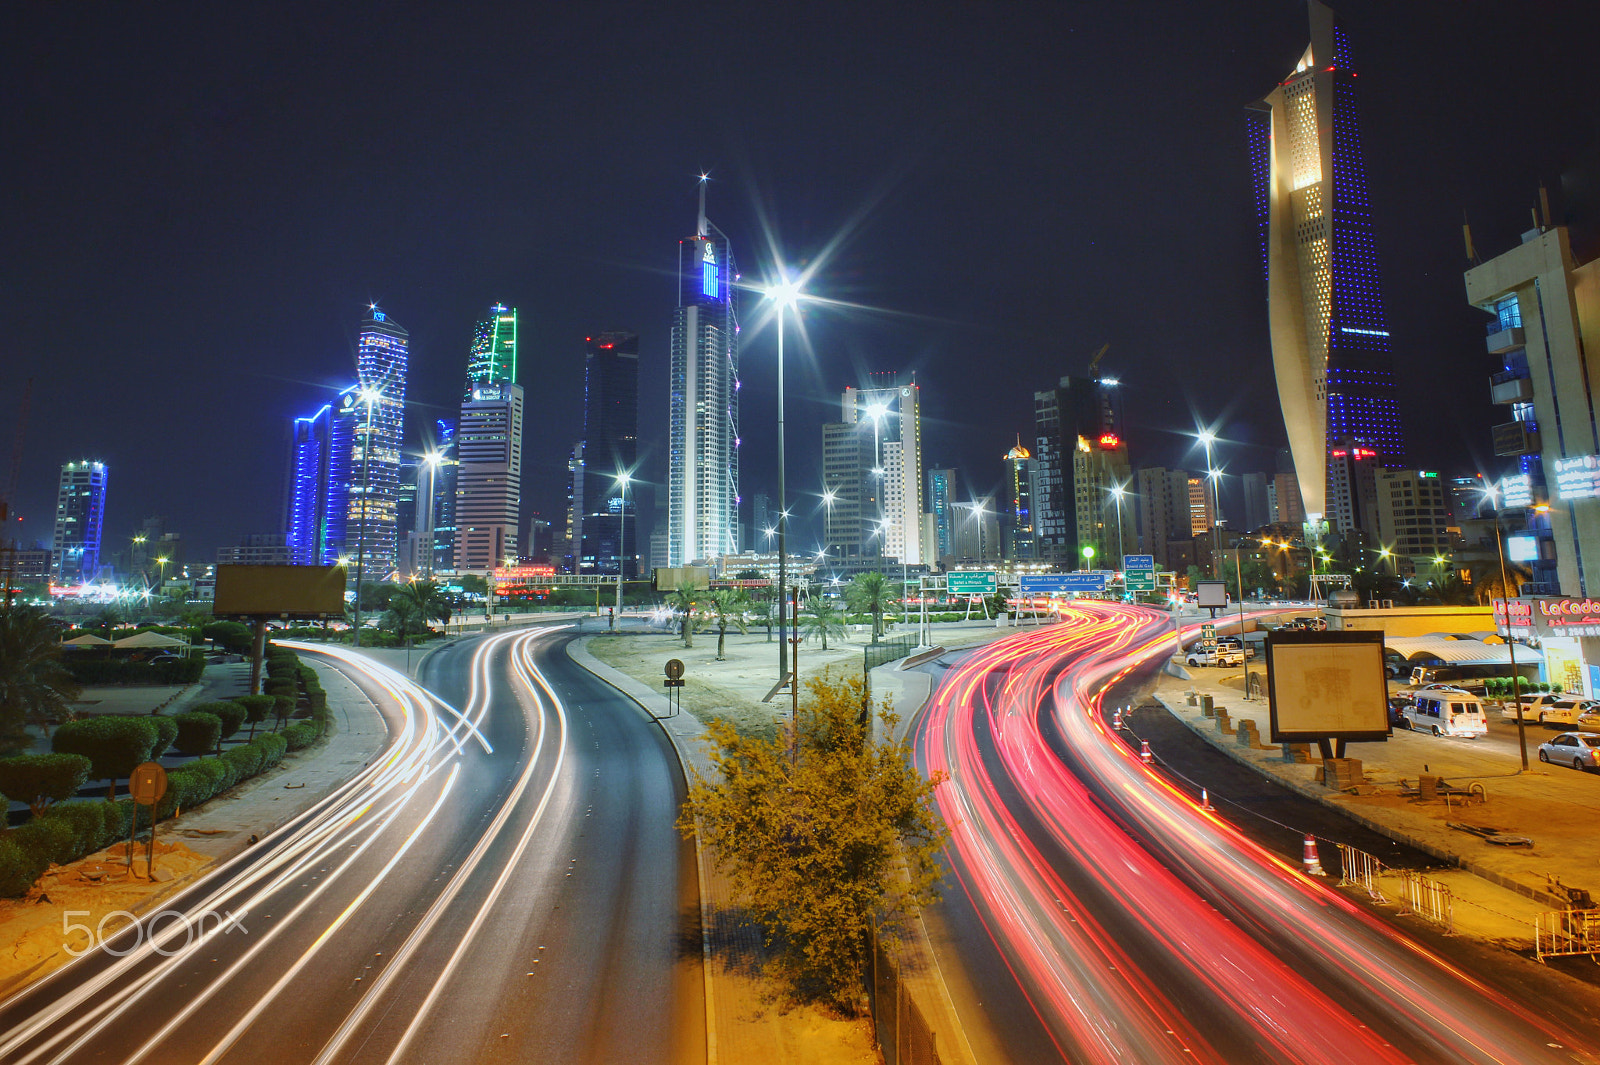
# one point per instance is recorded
(41, 779)
(198, 732)
(50, 838)
(168, 729)
(90, 670)
(229, 713)
(114, 744)
(257, 708)
(300, 735)
(19, 867)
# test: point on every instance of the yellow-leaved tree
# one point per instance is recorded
(825, 833)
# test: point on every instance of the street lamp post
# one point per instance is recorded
(1207, 438)
(1511, 644)
(369, 397)
(785, 293)
(1238, 571)
(431, 460)
(622, 540)
(1122, 545)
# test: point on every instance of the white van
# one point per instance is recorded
(1446, 712)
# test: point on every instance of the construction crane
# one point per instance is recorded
(8, 543)
(1094, 361)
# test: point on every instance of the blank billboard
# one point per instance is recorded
(1522, 548)
(280, 591)
(1327, 685)
(1212, 593)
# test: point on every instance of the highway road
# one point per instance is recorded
(1136, 926)
(503, 883)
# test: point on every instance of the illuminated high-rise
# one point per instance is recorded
(310, 482)
(489, 448)
(1330, 338)
(610, 448)
(80, 516)
(374, 414)
(703, 388)
(1019, 512)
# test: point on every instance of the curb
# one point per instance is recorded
(1321, 795)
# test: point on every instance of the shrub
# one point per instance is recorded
(230, 635)
(230, 713)
(187, 787)
(198, 732)
(94, 670)
(282, 707)
(245, 760)
(119, 816)
(115, 745)
(47, 838)
(91, 827)
(279, 686)
(299, 736)
(41, 779)
(19, 867)
(272, 747)
(168, 729)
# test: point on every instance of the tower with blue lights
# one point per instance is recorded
(1330, 337)
(703, 386)
(310, 481)
(375, 421)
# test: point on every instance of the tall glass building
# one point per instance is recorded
(703, 417)
(444, 496)
(374, 414)
(488, 441)
(1330, 337)
(80, 517)
(610, 447)
(306, 521)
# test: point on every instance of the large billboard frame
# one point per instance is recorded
(289, 592)
(1360, 714)
(1211, 595)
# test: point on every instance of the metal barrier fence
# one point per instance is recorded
(888, 649)
(1358, 868)
(1428, 899)
(1561, 933)
(903, 1033)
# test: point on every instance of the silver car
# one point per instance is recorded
(1580, 750)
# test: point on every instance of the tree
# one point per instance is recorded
(41, 779)
(35, 687)
(428, 597)
(116, 745)
(728, 605)
(685, 602)
(871, 593)
(375, 595)
(812, 827)
(473, 584)
(257, 708)
(198, 732)
(821, 617)
(403, 618)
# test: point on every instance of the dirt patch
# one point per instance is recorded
(101, 893)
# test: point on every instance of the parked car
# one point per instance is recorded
(1237, 644)
(1577, 749)
(1397, 711)
(1563, 711)
(1446, 712)
(1590, 719)
(1305, 625)
(1531, 705)
(1210, 653)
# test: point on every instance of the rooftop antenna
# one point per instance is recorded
(1466, 236)
(701, 229)
(1544, 204)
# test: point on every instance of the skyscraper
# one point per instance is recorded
(80, 516)
(1163, 504)
(703, 386)
(377, 423)
(872, 465)
(941, 497)
(1019, 512)
(1102, 486)
(1255, 501)
(1077, 408)
(444, 495)
(489, 448)
(610, 448)
(310, 456)
(1330, 337)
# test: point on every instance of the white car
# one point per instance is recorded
(1580, 750)
(1564, 711)
(1209, 653)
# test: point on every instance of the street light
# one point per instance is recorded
(1117, 492)
(431, 460)
(785, 294)
(622, 540)
(1492, 495)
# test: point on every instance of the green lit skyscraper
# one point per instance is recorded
(489, 448)
(494, 349)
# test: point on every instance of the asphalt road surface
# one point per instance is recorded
(503, 883)
(1105, 917)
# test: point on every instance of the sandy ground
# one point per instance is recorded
(36, 933)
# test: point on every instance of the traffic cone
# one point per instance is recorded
(1205, 801)
(1145, 755)
(1116, 719)
(1312, 863)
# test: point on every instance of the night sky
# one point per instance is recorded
(200, 200)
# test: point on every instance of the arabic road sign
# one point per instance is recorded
(1139, 562)
(971, 582)
(1091, 581)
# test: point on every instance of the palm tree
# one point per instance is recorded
(728, 605)
(427, 597)
(35, 686)
(683, 600)
(820, 617)
(871, 593)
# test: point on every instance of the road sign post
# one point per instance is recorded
(147, 784)
(674, 685)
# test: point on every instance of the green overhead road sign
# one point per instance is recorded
(971, 583)
(1140, 580)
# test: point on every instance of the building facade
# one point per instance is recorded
(1353, 493)
(941, 497)
(1255, 501)
(1076, 408)
(1163, 506)
(1414, 521)
(703, 400)
(1202, 507)
(444, 467)
(1019, 532)
(80, 520)
(310, 482)
(258, 549)
(488, 441)
(1330, 336)
(611, 450)
(1102, 484)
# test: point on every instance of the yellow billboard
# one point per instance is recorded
(280, 591)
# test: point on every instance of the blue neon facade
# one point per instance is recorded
(306, 525)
